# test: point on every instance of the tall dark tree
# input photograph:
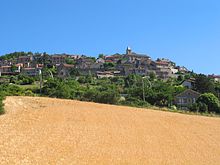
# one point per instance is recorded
(203, 84)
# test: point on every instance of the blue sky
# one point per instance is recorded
(185, 31)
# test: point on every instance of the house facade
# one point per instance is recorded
(189, 83)
(58, 59)
(64, 70)
(30, 71)
(186, 98)
(216, 78)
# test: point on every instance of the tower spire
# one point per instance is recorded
(128, 50)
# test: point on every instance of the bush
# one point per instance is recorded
(209, 102)
(173, 107)
(56, 88)
(11, 90)
(132, 101)
(1, 104)
(28, 93)
(203, 107)
(194, 107)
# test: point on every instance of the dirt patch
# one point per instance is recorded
(53, 131)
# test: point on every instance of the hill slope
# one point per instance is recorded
(53, 131)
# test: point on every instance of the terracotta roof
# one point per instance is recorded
(19, 64)
(68, 65)
(108, 61)
(162, 62)
(190, 80)
(5, 67)
(29, 68)
(188, 90)
(214, 76)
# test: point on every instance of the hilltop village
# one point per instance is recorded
(104, 66)
(127, 79)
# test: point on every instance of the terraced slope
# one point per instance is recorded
(52, 131)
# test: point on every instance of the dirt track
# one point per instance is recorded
(52, 131)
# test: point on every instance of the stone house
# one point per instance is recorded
(182, 69)
(107, 74)
(189, 83)
(104, 74)
(64, 70)
(161, 69)
(25, 60)
(216, 78)
(5, 69)
(84, 63)
(58, 59)
(113, 58)
(186, 98)
(30, 71)
(100, 60)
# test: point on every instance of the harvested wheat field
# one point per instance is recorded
(53, 131)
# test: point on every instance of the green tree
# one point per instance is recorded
(108, 65)
(56, 88)
(70, 61)
(152, 76)
(180, 78)
(203, 84)
(1, 105)
(101, 55)
(211, 101)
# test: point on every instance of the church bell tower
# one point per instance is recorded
(128, 50)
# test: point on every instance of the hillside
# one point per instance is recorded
(54, 131)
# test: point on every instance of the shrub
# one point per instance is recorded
(1, 105)
(132, 101)
(211, 101)
(24, 80)
(202, 107)
(173, 107)
(56, 88)
(28, 93)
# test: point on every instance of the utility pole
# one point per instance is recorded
(143, 90)
(40, 74)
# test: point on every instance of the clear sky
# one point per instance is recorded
(185, 31)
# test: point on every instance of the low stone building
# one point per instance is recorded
(58, 59)
(189, 83)
(30, 71)
(64, 70)
(186, 98)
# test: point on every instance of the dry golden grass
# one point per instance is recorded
(52, 131)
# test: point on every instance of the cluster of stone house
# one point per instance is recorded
(107, 66)
(124, 64)
(30, 65)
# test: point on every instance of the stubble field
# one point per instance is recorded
(53, 131)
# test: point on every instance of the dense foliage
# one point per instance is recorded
(132, 90)
(12, 90)
(1, 105)
(211, 101)
(15, 55)
(203, 84)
